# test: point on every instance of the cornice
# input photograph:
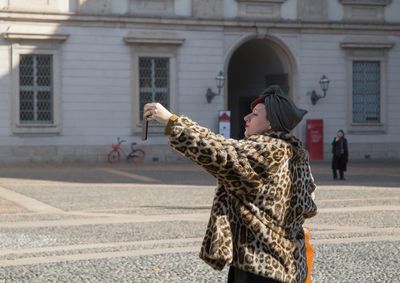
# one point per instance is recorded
(366, 42)
(159, 38)
(366, 2)
(358, 45)
(11, 36)
(158, 41)
(119, 21)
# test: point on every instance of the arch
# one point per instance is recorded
(267, 60)
(282, 49)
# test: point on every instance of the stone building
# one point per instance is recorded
(75, 74)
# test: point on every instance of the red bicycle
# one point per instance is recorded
(135, 156)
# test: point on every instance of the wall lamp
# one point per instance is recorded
(324, 83)
(219, 79)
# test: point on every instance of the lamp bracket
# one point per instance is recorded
(220, 84)
(210, 95)
(315, 97)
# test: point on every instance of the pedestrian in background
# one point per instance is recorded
(264, 190)
(340, 155)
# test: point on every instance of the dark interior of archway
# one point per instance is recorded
(253, 67)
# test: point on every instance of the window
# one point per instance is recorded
(153, 81)
(36, 89)
(153, 72)
(35, 72)
(366, 92)
(367, 58)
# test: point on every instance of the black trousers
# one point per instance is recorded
(341, 174)
(238, 276)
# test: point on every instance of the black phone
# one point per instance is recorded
(145, 128)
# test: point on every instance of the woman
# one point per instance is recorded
(340, 154)
(264, 190)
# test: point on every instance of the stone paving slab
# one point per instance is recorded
(91, 248)
(71, 197)
(374, 219)
(182, 173)
(30, 204)
(155, 268)
(357, 262)
(158, 210)
(33, 237)
(7, 206)
(358, 202)
(34, 217)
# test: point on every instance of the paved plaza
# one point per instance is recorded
(124, 223)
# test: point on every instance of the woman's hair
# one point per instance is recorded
(341, 131)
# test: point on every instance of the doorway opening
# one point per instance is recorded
(253, 67)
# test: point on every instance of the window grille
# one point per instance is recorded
(153, 81)
(366, 92)
(36, 89)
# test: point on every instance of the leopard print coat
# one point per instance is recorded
(264, 193)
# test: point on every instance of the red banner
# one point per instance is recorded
(315, 139)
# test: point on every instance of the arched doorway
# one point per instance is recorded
(253, 66)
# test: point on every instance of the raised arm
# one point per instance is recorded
(216, 154)
(213, 152)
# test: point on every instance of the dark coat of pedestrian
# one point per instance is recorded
(340, 155)
(264, 191)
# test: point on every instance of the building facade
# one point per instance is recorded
(75, 74)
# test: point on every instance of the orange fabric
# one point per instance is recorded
(310, 253)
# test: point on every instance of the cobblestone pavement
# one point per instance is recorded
(103, 223)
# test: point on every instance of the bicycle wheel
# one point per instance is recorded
(113, 156)
(137, 156)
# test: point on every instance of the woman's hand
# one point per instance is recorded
(155, 111)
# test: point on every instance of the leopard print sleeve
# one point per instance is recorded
(219, 156)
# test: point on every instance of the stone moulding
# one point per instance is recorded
(153, 38)
(107, 21)
(372, 45)
(32, 36)
(366, 43)
(366, 2)
(161, 41)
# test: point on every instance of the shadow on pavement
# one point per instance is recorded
(360, 173)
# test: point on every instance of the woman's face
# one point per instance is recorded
(256, 121)
(339, 134)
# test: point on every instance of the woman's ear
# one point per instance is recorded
(269, 127)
